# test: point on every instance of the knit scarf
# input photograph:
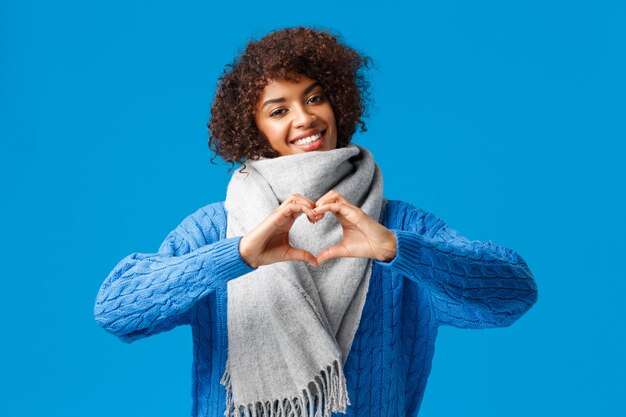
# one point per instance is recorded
(291, 325)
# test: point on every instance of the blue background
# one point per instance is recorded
(506, 119)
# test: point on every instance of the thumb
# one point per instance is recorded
(295, 254)
(332, 252)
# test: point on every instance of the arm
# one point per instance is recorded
(472, 284)
(148, 293)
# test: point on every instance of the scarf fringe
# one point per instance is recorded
(331, 383)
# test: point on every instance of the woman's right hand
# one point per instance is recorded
(268, 242)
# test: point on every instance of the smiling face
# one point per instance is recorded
(296, 117)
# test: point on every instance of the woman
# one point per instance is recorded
(333, 311)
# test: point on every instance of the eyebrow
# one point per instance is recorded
(282, 99)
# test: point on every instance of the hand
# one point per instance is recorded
(268, 242)
(363, 237)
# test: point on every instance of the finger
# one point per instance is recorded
(299, 198)
(332, 252)
(306, 200)
(329, 197)
(295, 254)
(296, 198)
(293, 210)
(332, 197)
(346, 214)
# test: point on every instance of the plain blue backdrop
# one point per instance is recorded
(506, 119)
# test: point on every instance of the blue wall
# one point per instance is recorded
(506, 119)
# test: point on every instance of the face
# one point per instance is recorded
(296, 117)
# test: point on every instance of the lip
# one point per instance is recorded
(313, 145)
(310, 133)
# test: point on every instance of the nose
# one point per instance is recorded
(302, 117)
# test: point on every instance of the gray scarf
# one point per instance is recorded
(291, 325)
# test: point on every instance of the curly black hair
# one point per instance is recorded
(283, 55)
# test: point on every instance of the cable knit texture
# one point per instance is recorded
(437, 277)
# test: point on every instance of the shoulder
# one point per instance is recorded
(203, 226)
(406, 216)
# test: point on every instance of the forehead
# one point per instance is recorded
(279, 88)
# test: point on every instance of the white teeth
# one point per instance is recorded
(308, 139)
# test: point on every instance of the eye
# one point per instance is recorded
(277, 112)
(318, 98)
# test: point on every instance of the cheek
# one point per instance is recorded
(278, 128)
(273, 129)
(330, 116)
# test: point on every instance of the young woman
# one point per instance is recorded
(333, 311)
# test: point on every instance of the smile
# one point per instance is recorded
(308, 139)
(310, 143)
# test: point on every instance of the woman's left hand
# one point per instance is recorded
(363, 237)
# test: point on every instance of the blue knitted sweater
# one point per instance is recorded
(437, 277)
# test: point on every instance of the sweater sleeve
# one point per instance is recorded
(472, 284)
(148, 293)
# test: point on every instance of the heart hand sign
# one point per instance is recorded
(363, 237)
